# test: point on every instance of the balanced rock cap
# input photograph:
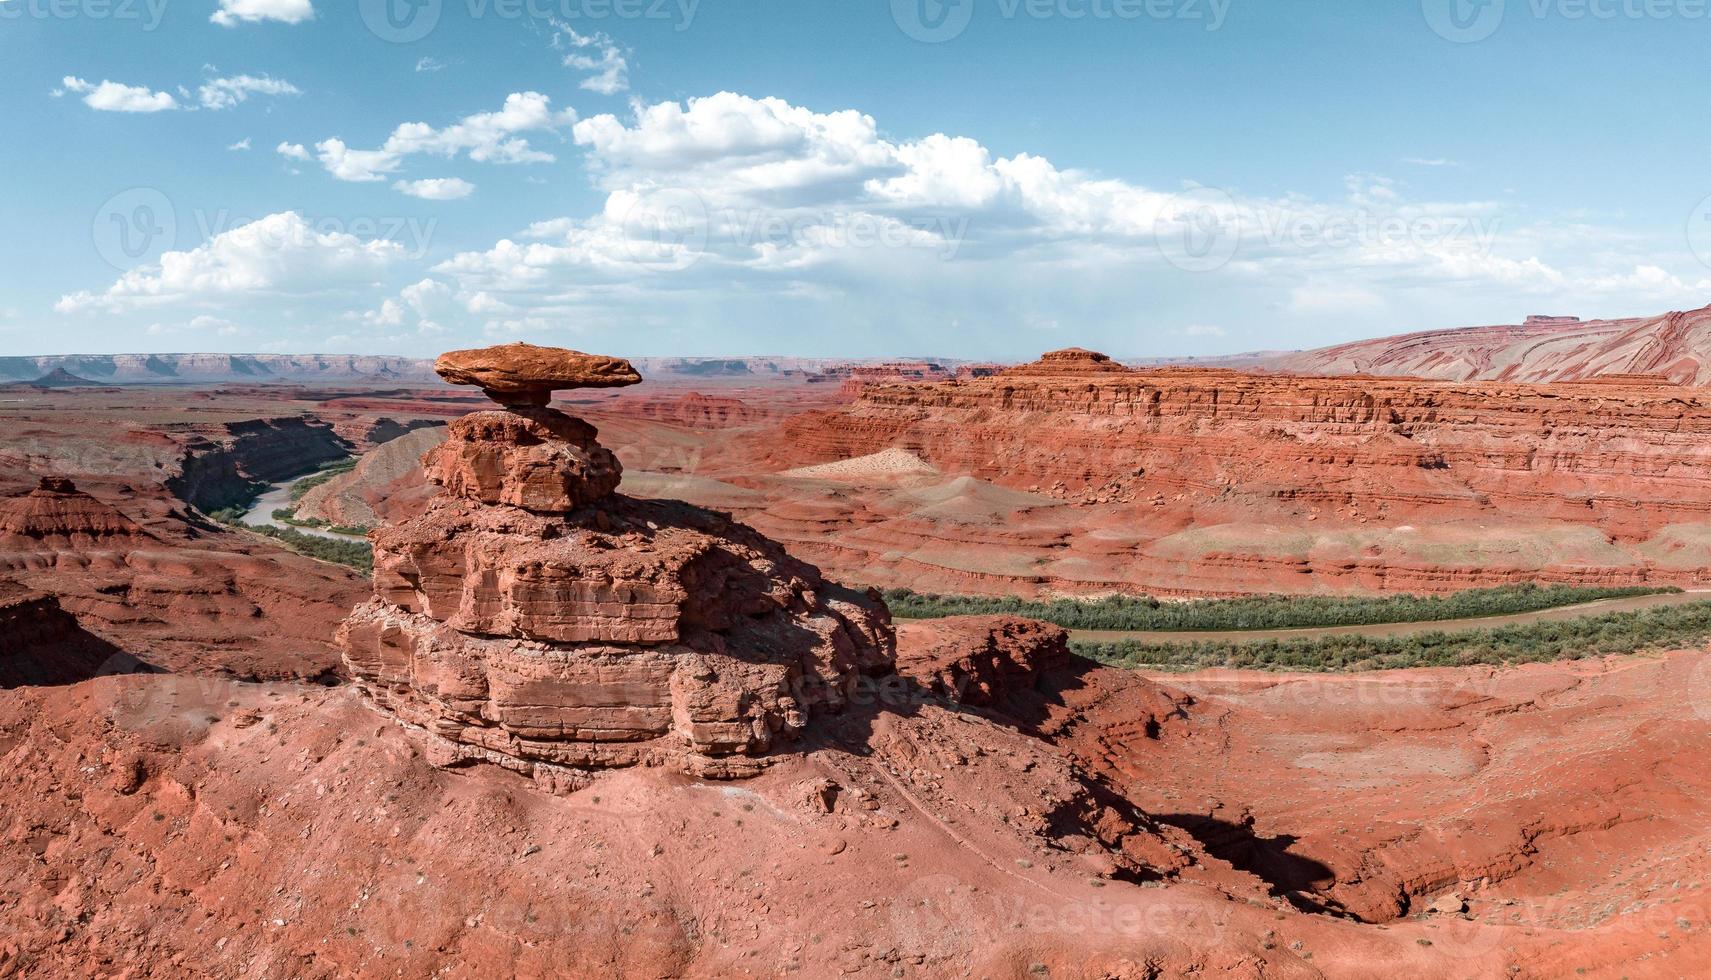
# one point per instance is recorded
(523, 374)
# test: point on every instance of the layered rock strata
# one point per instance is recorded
(1625, 458)
(533, 618)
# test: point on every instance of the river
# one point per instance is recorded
(278, 497)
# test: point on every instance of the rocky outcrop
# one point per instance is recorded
(57, 511)
(523, 374)
(533, 618)
(976, 659)
(386, 485)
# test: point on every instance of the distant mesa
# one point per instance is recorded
(526, 375)
(1540, 320)
(1071, 360)
(58, 378)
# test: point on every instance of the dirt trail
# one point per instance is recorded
(1576, 611)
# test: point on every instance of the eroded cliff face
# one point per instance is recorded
(1626, 458)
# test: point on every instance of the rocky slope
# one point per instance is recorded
(1675, 347)
(178, 593)
(42, 645)
(388, 477)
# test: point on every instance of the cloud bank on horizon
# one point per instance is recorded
(581, 212)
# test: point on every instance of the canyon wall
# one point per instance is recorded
(229, 466)
(1076, 474)
(1626, 458)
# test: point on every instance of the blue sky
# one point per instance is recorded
(979, 178)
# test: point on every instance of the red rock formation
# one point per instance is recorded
(523, 374)
(1069, 361)
(1625, 460)
(539, 460)
(976, 659)
(57, 510)
(532, 618)
(40, 643)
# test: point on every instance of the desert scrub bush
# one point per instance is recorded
(1260, 612)
(355, 553)
(1660, 628)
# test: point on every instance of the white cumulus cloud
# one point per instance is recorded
(279, 254)
(436, 188)
(235, 12)
(117, 97)
(224, 93)
(596, 54)
(488, 137)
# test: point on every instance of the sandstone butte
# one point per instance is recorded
(534, 618)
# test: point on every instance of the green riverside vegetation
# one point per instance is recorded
(1659, 628)
(1260, 612)
(321, 476)
(356, 553)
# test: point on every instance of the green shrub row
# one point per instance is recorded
(356, 553)
(1659, 628)
(1259, 612)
